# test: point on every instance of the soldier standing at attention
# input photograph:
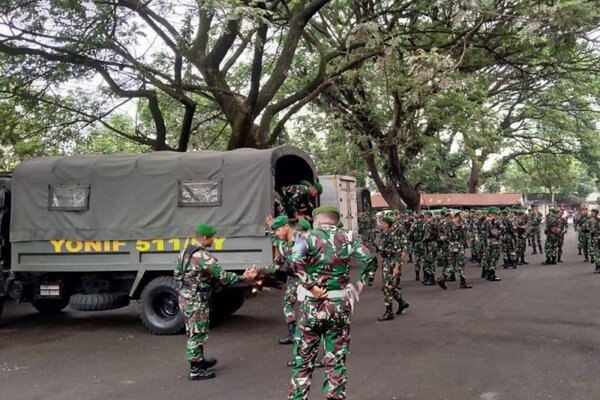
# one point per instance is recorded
(493, 231)
(442, 240)
(521, 236)
(584, 227)
(553, 233)
(391, 250)
(197, 271)
(535, 222)
(416, 236)
(563, 224)
(576, 219)
(300, 199)
(457, 237)
(430, 243)
(321, 261)
(508, 240)
(594, 238)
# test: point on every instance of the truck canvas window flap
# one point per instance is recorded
(68, 197)
(199, 193)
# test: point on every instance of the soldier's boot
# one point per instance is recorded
(586, 257)
(417, 276)
(402, 305)
(579, 251)
(548, 261)
(289, 339)
(534, 251)
(430, 281)
(197, 373)
(597, 270)
(541, 251)
(442, 282)
(492, 276)
(559, 258)
(523, 262)
(387, 315)
(592, 259)
(484, 272)
(208, 362)
(463, 284)
(553, 260)
(452, 277)
(410, 258)
(506, 263)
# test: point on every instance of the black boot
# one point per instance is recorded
(579, 251)
(207, 363)
(417, 276)
(541, 251)
(442, 282)
(452, 277)
(463, 284)
(197, 373)
(484, 273)
(387, 315)
(410, 258)
(559, 258)
(289, 339)
(547, 262)
(402, 306)
(553, 259)
(523, 261)
(534, 251)
(492, 276)
(506, 262)
(430, 280)
(586, 259)
(597, 270)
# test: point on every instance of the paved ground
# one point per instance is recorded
(535, 335)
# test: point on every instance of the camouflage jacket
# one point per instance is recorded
(297, 199)
(585, 223)
(279, 205)
(493, 229)
(456, 233)
(535, 220)
(322, 259)
(417, 231)
(196, 267)
(520, 226)
(390, 244)
(552, 225)
(431, 231)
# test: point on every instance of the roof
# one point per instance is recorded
(137, 196)
(459, 200)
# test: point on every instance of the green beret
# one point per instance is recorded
(505, 211)
(206, 230)
(493, 210)
(428, 213)
(319, 188)
(304, 224)
(444, 211)
(340, 224)
(388, 220)
(279, 222)
(317, 185)
(306, 183)
(326, 209)
(595, 211)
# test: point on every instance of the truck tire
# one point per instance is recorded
(160, 307)
(226, 303)
(99, 301)
(50, 306)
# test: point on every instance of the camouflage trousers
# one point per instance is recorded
(327, 320)
(536, 237)
(551, 246)
(430, 259)
(419, 249)
(492, 254)
(442, 255)
(561, 242)
(474, 246)
(391, 283)
(456, 260)
(584, 243)
(508, 248)
(289, 299)
(196, 313)
(482, 248)
(520, 246)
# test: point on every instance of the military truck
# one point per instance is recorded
(94, 232)
(340, 191)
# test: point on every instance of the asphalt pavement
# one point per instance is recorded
(535, 335)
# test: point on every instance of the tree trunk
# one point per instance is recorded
(473, 183)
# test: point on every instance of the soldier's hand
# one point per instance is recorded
(396, 271)
(269, 221)
(360, 287)
(318, 292)
(250, 274)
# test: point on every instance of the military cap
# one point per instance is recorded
(326, 209)
(505, 211)
(206, 230)
(428, 213)
(388, 220)
(444, 212)
(279, 222)
(316, 185)
(304, 224)
(458, 214)
(493, 210)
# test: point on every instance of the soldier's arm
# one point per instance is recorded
(178, 271)
(362, 254)
(298, 261)
(217, 272)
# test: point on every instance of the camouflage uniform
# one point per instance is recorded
(416, 235)
(520, 228)
(535, 221)
(584, 227)
(594, 247)
(442, 244)
(197, 271)
(430, 243)
(564, 228)
(457, 237)
(322, 260)
(297, 200)
(281, 262)
(279, 205)
(508, 242)
(493, 232)
(391, 249)
(552, 232)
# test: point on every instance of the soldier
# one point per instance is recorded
(535, 221)
(553, 232)
(493, 232)
(197, 271)
(508, 240)
(430, 244)
(416, 236)
(300, 199)
(576, 219)
(471, 221)
(521, 236)
(391, 250)
(408, 219)
(442, 241)
(584, 226)
(594, 239)
(321, 262)
(279, 205)
(563, 224)
(457, 237)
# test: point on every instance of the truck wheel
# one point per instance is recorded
(160, 307)
(99, 301)
(50, 306)
(226, 303)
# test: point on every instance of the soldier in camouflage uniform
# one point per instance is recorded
(473, 231)
(535, 222)
(594, 246)
(553, 232)
(300, 199)
(430, 244)
(508, 240)
(321, 262)
(492, 229)
(457, 237)
(197, 271)
(520, 227)
(442, 241)
(408, 219)
(416, 235)
(584, 226)
(576, 228)
(390, 246)
(563, 224)
(279, 206)
(482, 243)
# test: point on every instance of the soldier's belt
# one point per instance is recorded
(349, 293)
